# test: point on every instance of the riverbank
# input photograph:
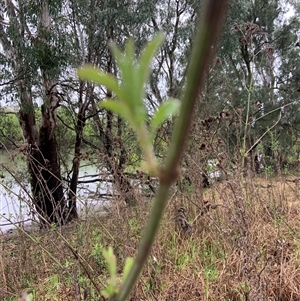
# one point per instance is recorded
(15, 194)
(244, 246)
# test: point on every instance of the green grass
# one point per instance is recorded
(211, 264)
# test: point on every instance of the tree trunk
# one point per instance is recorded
(44, 165)
(115, 165)
(42, 159)
(41, 148)
(81, 119)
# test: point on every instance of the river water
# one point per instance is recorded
(15, 192)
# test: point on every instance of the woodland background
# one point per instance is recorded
(246, 123)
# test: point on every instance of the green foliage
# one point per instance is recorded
(210, 274)
(128, 265)
(258, 42)
(131, 92)
(10, 131)
(65, 133)
(167, 109)
(112, 283)
(97, 253)
(111, 261)
(226, 89)
(50, 287)
(182, 260)
(135, 226)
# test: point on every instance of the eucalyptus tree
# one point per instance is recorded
(32, 52)
(249, 81)
(42, 44)
(97, 24)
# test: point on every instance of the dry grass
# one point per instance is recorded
(244, 248)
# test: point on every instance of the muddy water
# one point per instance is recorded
(15, 195)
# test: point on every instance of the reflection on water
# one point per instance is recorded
(15, 197)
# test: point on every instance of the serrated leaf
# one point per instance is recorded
(95, 75)
(165, 110)
(127, 267)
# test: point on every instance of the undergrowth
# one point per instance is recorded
(246, 247)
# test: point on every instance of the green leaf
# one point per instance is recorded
(147, 55)
(117, 107)
(30, 297)
(111, 261)
(128, 264)
(165, 110)
(110, 291)
(130, 114)
(106, 293)
(140, 113)
(95, 75)
(126, 63)
(116, 52)
(129, 50)
(131, 84)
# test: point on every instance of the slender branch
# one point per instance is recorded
(263, 135)
(2, 134)
(276, 109)
(207, 33)
(64, 123)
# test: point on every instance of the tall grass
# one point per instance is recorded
(246, 248)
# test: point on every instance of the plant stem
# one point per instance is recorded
(206, 37)
(244, 154)
(147, 148)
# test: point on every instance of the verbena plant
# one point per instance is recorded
(128, 102)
